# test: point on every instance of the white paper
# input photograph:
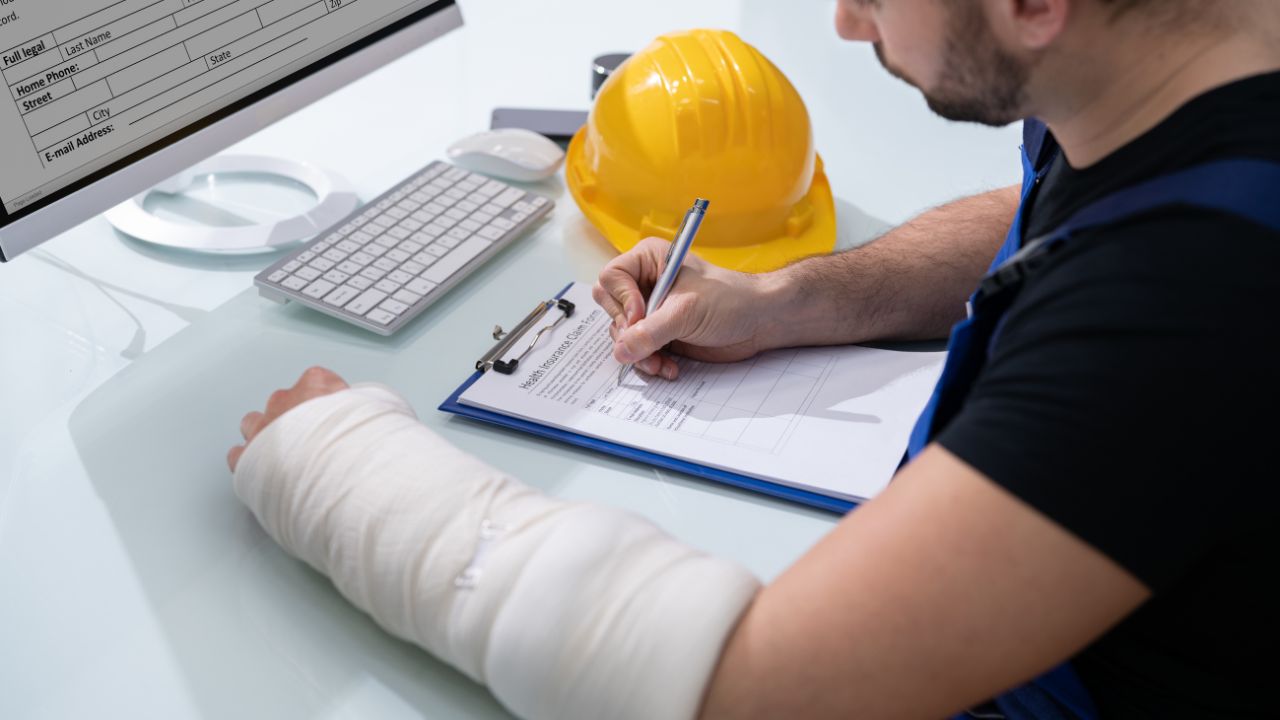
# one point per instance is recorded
(834, 420)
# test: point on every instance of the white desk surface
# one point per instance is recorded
(132, 584)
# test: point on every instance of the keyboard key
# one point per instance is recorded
(412, 267)
(410, 246)
(433, 209)
(397, 255)
(347, 246)
(460, 256)
(361, 237)
(279, 275)
(318, 289)
(445, 200)
(367, 301)
(321, 264)
(399, 232)
(469, 225)
(398, 212)
(304, 256)
(457, 234)
(538, 201)
(445, 222)
(294, 283)
(450, 242)
(454, 173)
(455, 193)
(341, 296)
(393, 306)
(387, 286)
(425, 258)
(433, 231)
(386, 241)
(491, 209)
(491, 232)
(292, 266)
(383, 263)
(477, 199)
(382, 317)
(350, 267)
(439, 250)
(503, 223)
(493, 187)
(374, 250)
(420, 286)
(384, 221)
(456, 213)
(360, 282)
(337, 277)
(335, 255)
(373, 273)
(309, 273)
(407, 297)
(411, 225)
(481, 217)
(508, 197)
(399, 277)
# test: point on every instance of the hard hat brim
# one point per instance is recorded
(818, 239)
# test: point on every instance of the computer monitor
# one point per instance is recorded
(109, 97)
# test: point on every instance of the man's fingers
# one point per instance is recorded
(321, 379)
(651, 334)
(233, 457)
(250, 425)
(622, 288)
(624, 277)
(608, 304)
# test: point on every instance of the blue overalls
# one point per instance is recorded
(1248, 188)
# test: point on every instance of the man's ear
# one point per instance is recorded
(1030, 25)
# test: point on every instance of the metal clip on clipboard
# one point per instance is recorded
(506, 340)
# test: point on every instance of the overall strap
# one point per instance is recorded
(1244, 187)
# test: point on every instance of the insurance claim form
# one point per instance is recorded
(832, 420)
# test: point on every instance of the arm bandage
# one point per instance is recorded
(565, 610)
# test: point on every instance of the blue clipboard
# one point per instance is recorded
(763, 487)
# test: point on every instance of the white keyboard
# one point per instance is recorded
(391, 259)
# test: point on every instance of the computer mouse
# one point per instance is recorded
(510, 154)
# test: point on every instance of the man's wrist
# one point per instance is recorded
(777, 303)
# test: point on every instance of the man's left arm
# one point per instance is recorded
(939, 593)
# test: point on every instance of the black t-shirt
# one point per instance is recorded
(1132, 398)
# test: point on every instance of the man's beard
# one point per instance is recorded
(980, 82)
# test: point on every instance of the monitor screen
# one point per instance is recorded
(95, 84)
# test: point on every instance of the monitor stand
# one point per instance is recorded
(233, 204)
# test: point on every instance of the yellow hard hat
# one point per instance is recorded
(703, 114)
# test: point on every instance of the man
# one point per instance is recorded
(1086, 519)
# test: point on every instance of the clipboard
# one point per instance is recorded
(495, 360)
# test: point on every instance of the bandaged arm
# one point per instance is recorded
(565, 610)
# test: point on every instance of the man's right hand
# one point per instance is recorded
(710, 313)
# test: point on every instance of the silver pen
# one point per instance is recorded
(671, 266)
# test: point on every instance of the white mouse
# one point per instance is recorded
(509, 153)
